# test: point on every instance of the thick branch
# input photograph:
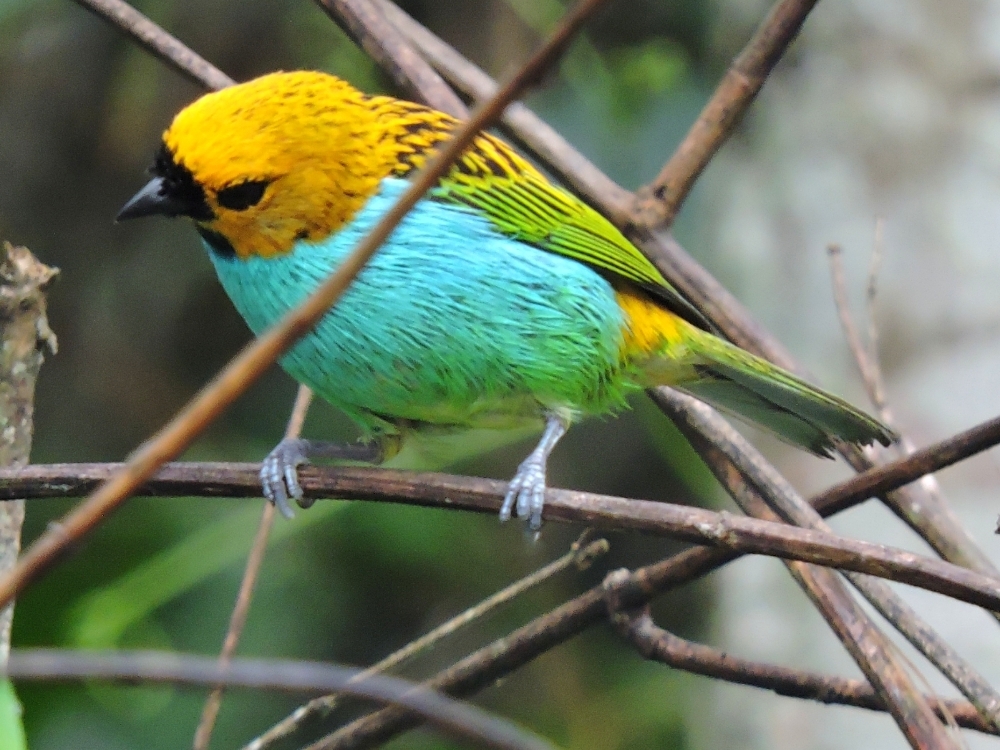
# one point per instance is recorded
(24, 335)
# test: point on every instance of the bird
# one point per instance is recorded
(501, 301)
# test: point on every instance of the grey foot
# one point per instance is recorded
(526, 492)
(279, 476)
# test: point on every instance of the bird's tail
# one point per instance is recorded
(669, 351)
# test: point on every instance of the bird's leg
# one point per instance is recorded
(527, 487)
(279, 471)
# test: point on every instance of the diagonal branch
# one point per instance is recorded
(159, 43)
(251, 363)
(657, 204)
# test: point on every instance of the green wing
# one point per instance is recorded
(522, 204)
(492, 179)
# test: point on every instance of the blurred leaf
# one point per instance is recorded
(101, 619)
(644, 72)
(11, 731)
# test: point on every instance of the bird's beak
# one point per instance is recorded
(154, 199)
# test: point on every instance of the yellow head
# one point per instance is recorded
(257, 166)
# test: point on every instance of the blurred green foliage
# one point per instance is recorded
(142, 323)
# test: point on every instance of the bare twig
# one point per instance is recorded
(661, 645)
(365, 24)
(251, 363)
(581, 554)
(460, 720)
(159, 43)
(238, 618)
(657, 204)
(858, 349)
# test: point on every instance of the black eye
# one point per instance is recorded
(241, 197)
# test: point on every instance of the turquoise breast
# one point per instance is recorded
(451, 323)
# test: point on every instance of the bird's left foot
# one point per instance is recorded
(526, 491)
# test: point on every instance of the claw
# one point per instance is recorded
(279, 474)
(526, 491)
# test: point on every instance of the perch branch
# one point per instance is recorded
(603, 512)
(251, 363)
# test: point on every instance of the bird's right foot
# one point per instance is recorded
(279, 475)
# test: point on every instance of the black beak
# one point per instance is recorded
(154, 199)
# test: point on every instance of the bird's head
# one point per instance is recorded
(260, 165)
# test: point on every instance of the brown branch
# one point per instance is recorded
(763, 493)
(159, 43)
(663, 646)
(251, 363)
(657, 204)
(238, 480)
(603, 512)
(457, 719)
(367, 26)
(238, 618)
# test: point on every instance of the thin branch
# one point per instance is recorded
(457, 719)
(581, 554)
(858, 349)
(614, 513)
(159, 43)
(762, 492)
(657, 204)
(661, 645)
(238, 618)
(367, 26)
(258, 356)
